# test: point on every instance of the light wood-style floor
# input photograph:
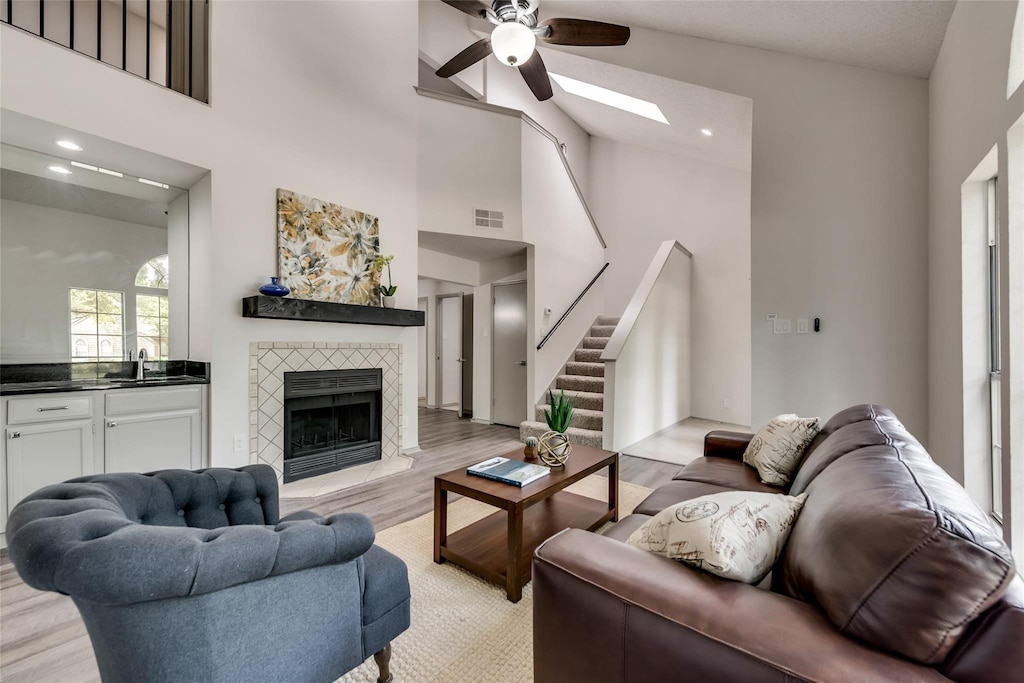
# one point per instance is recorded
(43, 640)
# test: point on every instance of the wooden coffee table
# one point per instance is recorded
(500, 547)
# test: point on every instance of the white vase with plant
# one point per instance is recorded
(387, 294)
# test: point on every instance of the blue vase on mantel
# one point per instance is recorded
(274, 288)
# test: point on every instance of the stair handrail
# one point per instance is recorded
(572, 306)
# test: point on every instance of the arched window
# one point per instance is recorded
(154, 273)
(152, 321)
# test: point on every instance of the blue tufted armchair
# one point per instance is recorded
(192, 576)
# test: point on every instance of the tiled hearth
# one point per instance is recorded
(268, 361)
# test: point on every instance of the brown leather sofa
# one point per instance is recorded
(891, 573)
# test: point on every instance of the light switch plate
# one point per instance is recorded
(801, 326)
(782, 326)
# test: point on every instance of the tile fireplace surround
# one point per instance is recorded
(268, 361)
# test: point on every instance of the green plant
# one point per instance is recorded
(560, 414)
(531, 442)
(379, 264)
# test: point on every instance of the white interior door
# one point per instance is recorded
(509, 358)
(449, 372)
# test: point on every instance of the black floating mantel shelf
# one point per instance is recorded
(281, 308)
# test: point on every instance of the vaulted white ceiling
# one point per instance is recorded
(899, 36)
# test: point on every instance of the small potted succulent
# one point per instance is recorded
(530, 452)
(387, 294)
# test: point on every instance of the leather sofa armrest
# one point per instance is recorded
(602, 608)
(723, 444)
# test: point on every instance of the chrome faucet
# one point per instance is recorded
(140, 369)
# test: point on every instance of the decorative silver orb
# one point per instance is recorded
(554, 449)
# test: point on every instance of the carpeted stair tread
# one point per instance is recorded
(602, 330)
(585, 400)
(581, 417)
(595, 342)
(584, 369)
(607, 320)
(582, 437)
(588, 355)
(580, 383)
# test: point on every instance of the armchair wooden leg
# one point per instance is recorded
(383, 659)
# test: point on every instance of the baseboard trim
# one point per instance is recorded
(412, 450)
(481, 421)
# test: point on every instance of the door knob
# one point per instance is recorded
(521, 362)
(111, 424)
(460, 360)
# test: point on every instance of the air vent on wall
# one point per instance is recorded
(482, 218)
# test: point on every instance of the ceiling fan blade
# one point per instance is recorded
(536, 76)
(584, 32)
(465, 59)
(471, 7)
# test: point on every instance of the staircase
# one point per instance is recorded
(583, 381)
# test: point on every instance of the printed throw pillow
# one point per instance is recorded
(777, 449)
(737, 535)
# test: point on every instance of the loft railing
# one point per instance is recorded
(164, 41)
(572, 306)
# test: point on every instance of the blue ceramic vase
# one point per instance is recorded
(274, 288)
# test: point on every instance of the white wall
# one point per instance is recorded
(443, 34)
(641, 198)
(566, 256)
(969, 115)
(352, 142)
(434, 264)
(177, 291)
(838, 220)
(468, 159)
(43, 253)
(648, 359)
(430, 288)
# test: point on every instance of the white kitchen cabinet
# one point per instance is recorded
(157, 441)
(48, 453)
(50, 438)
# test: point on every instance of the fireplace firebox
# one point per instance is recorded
(331, 421)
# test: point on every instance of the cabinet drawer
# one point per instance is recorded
(48, 409)
(137, 401)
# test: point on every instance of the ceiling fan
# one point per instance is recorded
(514, 39)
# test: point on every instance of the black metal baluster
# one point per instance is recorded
(99, 30)
(124, 35)
(10, 11)
(71, 33)
(191, 30)
(148, 27)
(42, 18)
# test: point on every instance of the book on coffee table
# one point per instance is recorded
(508, 471)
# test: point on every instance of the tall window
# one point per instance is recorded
(97, 325)
(152, 322)
(995, 376)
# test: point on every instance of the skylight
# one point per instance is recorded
(596, 93)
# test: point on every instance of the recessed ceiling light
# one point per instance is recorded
(596, 93)
(88, 167)
(706, 131)
(154, 183)
(59, 169)
(67, 144)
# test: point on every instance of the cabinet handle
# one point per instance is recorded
(111, 424)
(15, 435)
(46, 410)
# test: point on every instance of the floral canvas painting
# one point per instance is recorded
(325, 251)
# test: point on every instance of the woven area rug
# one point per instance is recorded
(463, 628)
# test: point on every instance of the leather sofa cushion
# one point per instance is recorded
(727, 473)
(990, 651)
(892, 548)
(625, 527)
(675, 492)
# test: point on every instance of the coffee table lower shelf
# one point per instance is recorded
(482, 547)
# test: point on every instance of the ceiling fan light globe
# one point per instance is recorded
(513, 43)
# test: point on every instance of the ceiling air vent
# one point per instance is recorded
(482, 218)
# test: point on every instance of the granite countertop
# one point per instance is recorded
(52, 387)
(49, 378)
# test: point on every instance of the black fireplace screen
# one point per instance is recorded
(331, 421)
